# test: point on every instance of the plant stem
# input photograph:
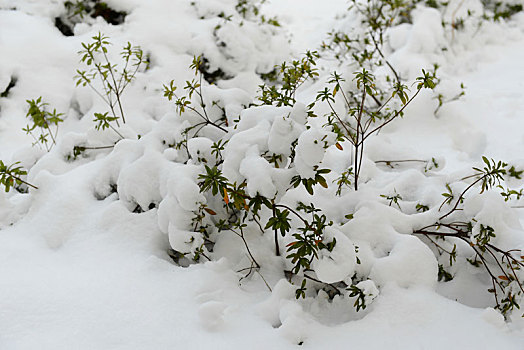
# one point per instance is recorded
(384, 58)
(358, 160)
(24, 182)
(277, 247)
(460, 197)
(115, 87)
(390, 119)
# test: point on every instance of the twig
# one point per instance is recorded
(461, 197)
(277, 247)
(24, 182)
(337, 291)
(358, 160)
(390, 119)
(384, 58)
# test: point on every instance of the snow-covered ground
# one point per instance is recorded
(80, 269)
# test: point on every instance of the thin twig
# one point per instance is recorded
(390, 119)
(459, 200)
(358, 144)
(24, 182)
(115, 86)
(384, 58)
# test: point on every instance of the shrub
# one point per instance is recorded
(262, 175)
(503, 266)
(114, 79)
(275, 198)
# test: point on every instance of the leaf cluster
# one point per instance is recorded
(308, 183)
(360, 301)
(11, 176)
(491, 174)
(292, 76)
(114, 80)
(309, 239)
(193, 101)
(42, 122)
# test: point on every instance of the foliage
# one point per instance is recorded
(502, 266)
(78, 9)
(42, 122)
(360, 297)
(292, 75)
(114, 80)
(358, 107)
(193, 104)
(11, 176)
(364, 119)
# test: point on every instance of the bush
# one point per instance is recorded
(263, 174)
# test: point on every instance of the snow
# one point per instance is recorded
(338, 264)
(86, 258)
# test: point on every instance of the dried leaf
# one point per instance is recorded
(226, 197)
(209, 211)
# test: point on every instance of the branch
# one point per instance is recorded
(392, 118)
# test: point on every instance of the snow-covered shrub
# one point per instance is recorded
(361, 38)
(86, 11)
(372, 30)
(258, 172)
(247, 170)
(245, 41)
(253, 176)
(479, 225)
(289, 185)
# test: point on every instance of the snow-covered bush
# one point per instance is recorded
(479, 225)
(291, 184)
(255, 176)
(243, 39)
(253, 173)
(86, 11)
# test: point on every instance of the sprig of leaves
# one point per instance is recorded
(42, 121)
(11, 176)
(114, 80)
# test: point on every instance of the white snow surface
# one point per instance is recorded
(83, 266)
